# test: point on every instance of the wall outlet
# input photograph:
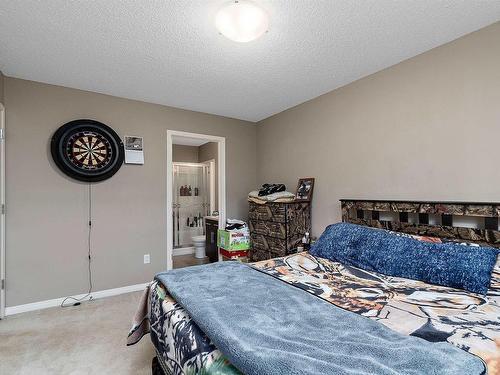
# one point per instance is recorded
(147, 259)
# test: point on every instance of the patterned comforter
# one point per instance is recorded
(466, 320)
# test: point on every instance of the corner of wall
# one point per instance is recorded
(259, 131)
(2, 88)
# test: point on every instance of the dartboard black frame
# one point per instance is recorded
(100, 164)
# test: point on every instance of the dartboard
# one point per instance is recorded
(87, 150)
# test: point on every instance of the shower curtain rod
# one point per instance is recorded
(185, 164)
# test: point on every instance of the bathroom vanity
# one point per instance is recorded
(211, 227)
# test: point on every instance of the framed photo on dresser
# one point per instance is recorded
(305, 189)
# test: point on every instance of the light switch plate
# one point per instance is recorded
(147, 259)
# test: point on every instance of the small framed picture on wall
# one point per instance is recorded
(305, 189)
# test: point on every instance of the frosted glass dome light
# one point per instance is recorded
(242, 21)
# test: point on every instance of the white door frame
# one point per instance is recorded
(2, 211)
(221, 168)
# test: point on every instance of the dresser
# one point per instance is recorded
(276, 229)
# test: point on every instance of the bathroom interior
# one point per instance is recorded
(194, 202)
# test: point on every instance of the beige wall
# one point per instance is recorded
(186, 154)
(47, 212)
(208, 151)
(427, 128)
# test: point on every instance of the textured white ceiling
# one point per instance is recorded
(169, 51)
(188, 141)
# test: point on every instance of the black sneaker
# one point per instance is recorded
(271, 188)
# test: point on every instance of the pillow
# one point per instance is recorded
(447, 264)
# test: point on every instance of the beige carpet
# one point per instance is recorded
(87, 339)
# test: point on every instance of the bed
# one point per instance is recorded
(434, 313)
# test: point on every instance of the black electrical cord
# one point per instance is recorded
(77, 301)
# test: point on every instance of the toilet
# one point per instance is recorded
(199, 246)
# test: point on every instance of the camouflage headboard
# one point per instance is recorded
(427, 218)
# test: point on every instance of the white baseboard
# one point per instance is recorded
(57, 301)
(183, 251)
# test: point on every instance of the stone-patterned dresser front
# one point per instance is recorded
(277, 229)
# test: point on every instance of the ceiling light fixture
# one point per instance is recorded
(242, 21)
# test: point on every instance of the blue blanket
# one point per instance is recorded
(265, 326)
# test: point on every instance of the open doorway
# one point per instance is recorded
(196, 202)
